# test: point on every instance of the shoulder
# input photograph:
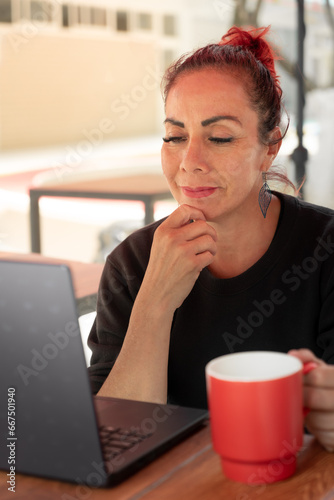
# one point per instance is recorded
(135, 249)
(307, 215)
(126, 265)
(317, 210)
(308, 233)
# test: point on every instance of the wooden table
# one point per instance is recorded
(147, 188)
(86, 277)
(191, 471)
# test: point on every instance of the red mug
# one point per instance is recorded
(256, 412)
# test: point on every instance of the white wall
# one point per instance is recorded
(57, 88)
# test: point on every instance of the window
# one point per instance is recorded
(168, 57)
(24, 9)
(65, 16)
(122, 21)
(316, 70)
(85, 15)
(40, 11)
(169, 25)
(144, 21)
(5, 11)
(99, 16)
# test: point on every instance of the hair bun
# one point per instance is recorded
(254, 41)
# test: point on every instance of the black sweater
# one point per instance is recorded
(284, 301)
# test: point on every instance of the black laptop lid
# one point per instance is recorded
(46, 402)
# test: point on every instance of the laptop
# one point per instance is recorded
(50, 424)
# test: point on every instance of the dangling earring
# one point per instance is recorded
(265, 195)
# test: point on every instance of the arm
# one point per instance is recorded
(179, 252)
(319, 383)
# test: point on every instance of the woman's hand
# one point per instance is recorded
(319, 398)
(180, 250)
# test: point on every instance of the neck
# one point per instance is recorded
(243, 240)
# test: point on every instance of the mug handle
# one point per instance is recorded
(307, 368)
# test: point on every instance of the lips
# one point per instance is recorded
(198, 192)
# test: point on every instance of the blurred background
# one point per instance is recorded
(80, 100)
(80, 92)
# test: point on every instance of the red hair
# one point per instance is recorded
(254, 41)
(249, 56)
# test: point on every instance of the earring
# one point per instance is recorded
(265, 195)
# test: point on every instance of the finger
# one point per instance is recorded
(203, 260)
(316, 398)
(183, 215)
(326, 438)
(201, 244)
(305, 355)
(320, 420)
(320, 424)
(199, 228)
(320, 377)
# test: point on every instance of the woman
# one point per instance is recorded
(234, 267)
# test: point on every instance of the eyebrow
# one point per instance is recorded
(205, 123)
(174, 122)
(215, 119)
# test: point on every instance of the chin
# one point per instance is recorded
(210, 215)
(209, 212)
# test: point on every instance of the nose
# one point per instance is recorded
(194, 159)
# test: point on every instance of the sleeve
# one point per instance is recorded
(114, 305)
(324, 256)
(120, 282)
(326, 319)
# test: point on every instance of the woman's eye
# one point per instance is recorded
(220, 140)
(173, 139)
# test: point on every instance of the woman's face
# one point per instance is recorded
(211, 155)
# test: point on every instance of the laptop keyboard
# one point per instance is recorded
(116, 441)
